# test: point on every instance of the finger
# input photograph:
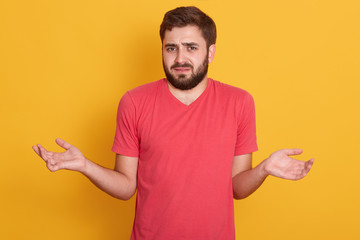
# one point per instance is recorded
(42, 152)
(306, 168)
(36, 150)
(299, 175)
(311, 161)
(309, 164)
(45, 154)
(52, 166)
(58, 165)
(63, 144)
(63, 165)
(293, 151)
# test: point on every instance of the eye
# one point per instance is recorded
(170, 49)
(192, 48)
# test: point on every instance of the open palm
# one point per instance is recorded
(280, 164)
(71, 159)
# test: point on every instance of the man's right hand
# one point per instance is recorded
(119, 183)
(71, 159)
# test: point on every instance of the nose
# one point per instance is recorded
(180, 56)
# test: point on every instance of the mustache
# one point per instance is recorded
(181, 65)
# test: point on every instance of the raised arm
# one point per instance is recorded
(247, 179)
(119, 183)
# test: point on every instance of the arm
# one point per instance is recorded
(119, 183)
(247, 179)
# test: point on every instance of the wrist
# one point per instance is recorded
(85, 167)
(264, 168)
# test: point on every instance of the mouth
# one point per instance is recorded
(182, 70)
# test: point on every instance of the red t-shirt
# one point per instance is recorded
(184, 188)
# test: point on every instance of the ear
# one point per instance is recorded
(212, 49)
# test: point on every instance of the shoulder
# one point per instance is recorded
(230, 91)
(136, 99)
(144, 92)
(146, 89)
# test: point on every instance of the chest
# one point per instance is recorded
(207, 126)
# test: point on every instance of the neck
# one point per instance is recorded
(187, 97)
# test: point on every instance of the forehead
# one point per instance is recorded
(179, 35)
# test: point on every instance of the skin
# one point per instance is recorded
(180, 45)
(119, 182)
(186, 46)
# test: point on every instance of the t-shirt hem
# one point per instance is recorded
(245, 151)
(125, 153)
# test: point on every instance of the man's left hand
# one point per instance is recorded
(281, 165)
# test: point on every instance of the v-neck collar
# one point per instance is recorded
(178, 102)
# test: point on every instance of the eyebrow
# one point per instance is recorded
(188, 44)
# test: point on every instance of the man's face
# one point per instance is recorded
(185, 57)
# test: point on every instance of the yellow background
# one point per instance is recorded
(64, 64)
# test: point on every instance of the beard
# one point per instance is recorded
(182, 82)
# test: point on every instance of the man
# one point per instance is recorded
(184, 143)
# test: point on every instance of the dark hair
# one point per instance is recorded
(184, 16)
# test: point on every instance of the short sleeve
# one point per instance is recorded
(246, 132)
(126, 140)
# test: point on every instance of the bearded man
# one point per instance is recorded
(184, 143)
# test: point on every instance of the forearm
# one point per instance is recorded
(279, 164)
(119, 183)
(115, 183)
(246, 182)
